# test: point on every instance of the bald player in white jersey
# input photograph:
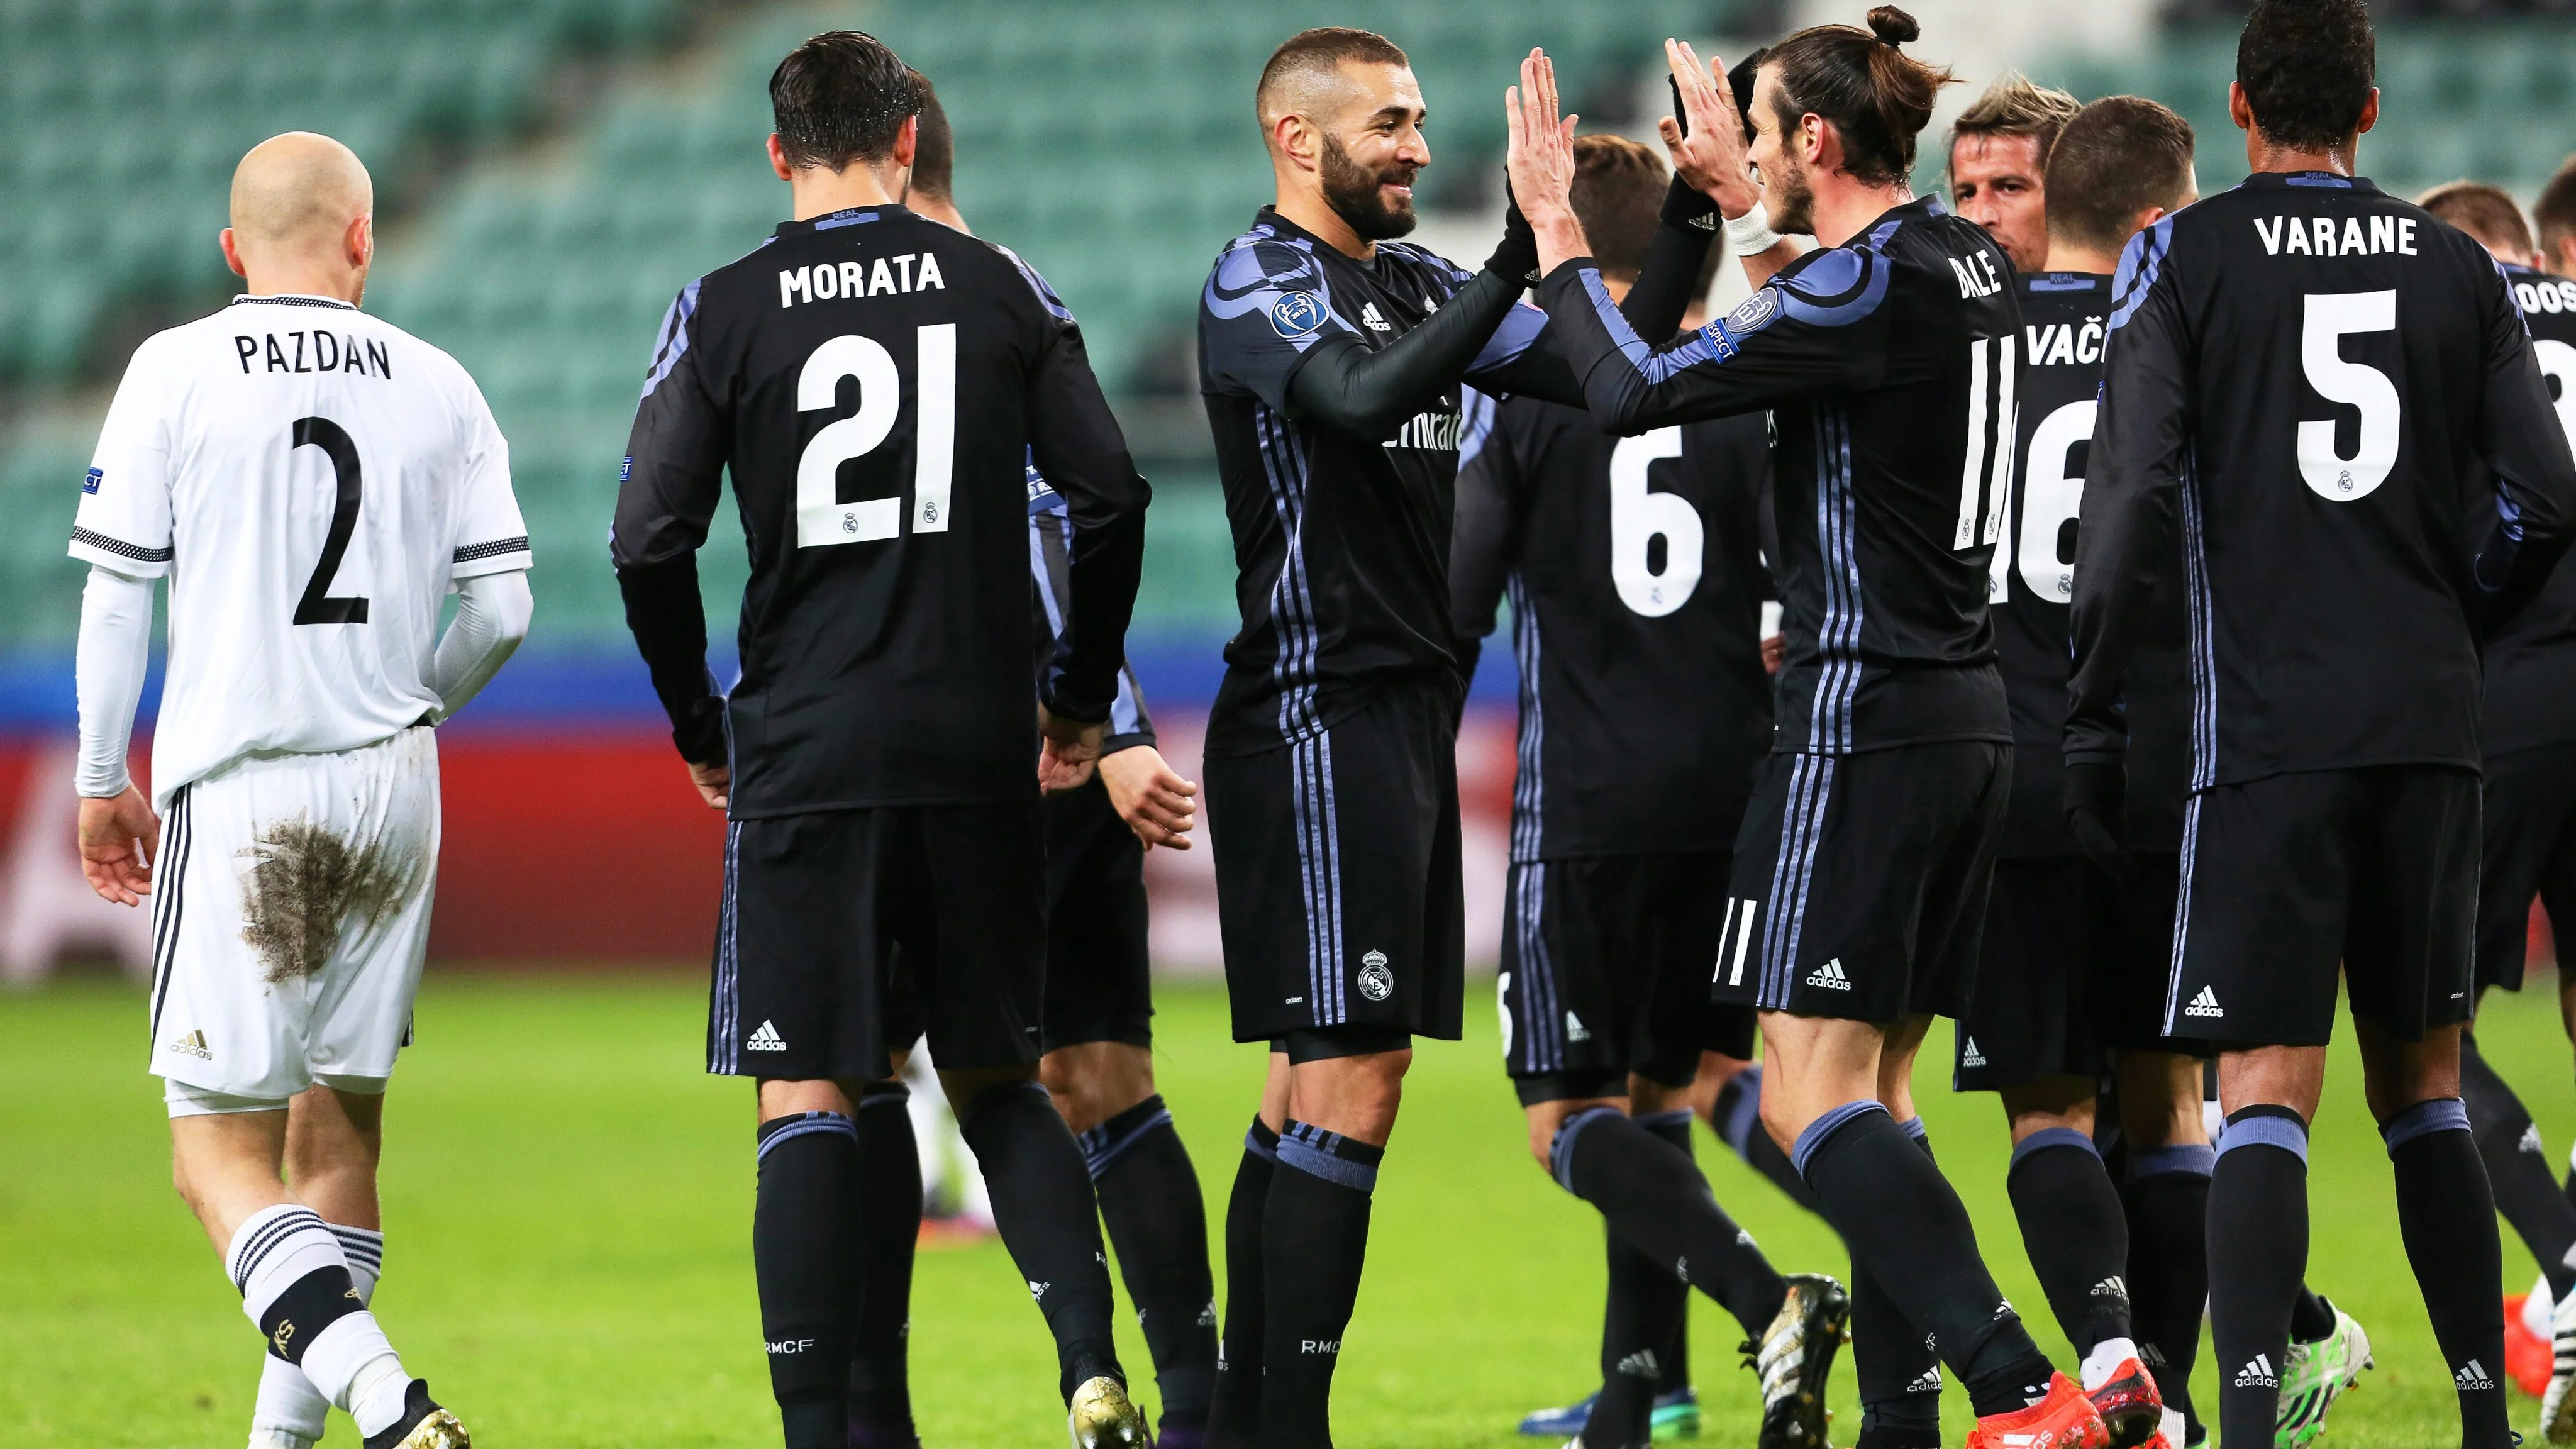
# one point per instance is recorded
(313, 483)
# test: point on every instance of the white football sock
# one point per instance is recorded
(2105, 1360)
(355, 1366)
(290, 1412)
(275, 1249)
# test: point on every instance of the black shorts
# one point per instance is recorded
(2133, 959)
(2285, 878)
(1099, 980)
(1337, 884)
(1860, 881)
(846, 933)
(2530, 831)
(1605, 970)
(2029, 1014)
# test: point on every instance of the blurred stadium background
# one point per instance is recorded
(550, 172)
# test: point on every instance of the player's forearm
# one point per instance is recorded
(114, 652)
(670, 627)
(1103, 567)
(492, 614)
(1349, 388)
(1669, 282)
(2527, 530)
(2127, 528)
(1626, 384)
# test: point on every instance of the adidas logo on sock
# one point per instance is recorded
(1037, 1290)
(2531, 1141)
(1969, 1056)
(1574, 1028)
(193, 1045)
(2472, 1375)
(2205, 1004)
(2257, 1374)
(1207, 1315)
(1744, 1239)
(765, 1039)
(1641, 1365)
(1928, 1382)
(2112, 1290)
(1830, 976)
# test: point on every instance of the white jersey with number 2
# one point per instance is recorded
(311, 480)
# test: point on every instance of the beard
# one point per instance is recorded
(1353, 192)
(1790, 200)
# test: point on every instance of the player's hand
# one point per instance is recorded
(1070, 750)
(2096, 812)
(1540, 162)
(1155, 802)
(120, 837)
(1774, 650)
(1712, 155)
(714, 782)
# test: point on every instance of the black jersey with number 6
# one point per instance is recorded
(2332, 397)
(879, 386)
(2531, 663)
(1888, 365)
(1634, 569)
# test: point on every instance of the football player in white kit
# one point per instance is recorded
(312, 482)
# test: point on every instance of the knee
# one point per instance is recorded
(1779, 1121)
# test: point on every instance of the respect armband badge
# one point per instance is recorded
(1296, 314)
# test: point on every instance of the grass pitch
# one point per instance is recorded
(568, 1203)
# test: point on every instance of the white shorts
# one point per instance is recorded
(290, 914)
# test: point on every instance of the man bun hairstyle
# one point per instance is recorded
(2117, 157)
(934, 147)
(1877, 97)
(1619, 197)
(2555, 211)
(1314, 56)
(841, 97)
(2016, 106)
(2483, 211)
(2307, 67)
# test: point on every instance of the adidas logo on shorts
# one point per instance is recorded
(765, 1039)
(2205, 1004)
(193, 1045)
(1969, 1056)
(1830, 976)
(2257, 1374)
(2472, 1375)
(1574, 1028)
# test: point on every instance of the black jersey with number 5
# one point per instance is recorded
(2331, 397)
(2531, 663)
(1634, 569)
(1888, 366)
(879, 386)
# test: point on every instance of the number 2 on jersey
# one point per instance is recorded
(317, 607)
(1638, 515)
(821, 518)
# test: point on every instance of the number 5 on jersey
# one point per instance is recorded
(821, 518)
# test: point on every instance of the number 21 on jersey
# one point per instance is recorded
(821, 518)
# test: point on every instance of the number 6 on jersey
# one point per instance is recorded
(821, 518)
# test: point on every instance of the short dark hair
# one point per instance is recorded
(1322, 51)
(934, 146)
(2555, 212)
(2117, 157)
(842, 96)
(1877, 97)
(2307, 67)
(2483, 211)
(1618, 195)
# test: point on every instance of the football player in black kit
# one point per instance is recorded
(2331, 395)
(1886, 361)
(878, 386)
(1644, 705)
(1097, 1031)
(2052, 994)
(1331, 359)
(2527, 733)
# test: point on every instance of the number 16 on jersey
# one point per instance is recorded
(821, 518)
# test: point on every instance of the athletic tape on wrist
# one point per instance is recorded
(1751, 234)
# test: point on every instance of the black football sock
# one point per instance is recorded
(1149, 1197)
(2073, 1230)
(1893, 1364)
(806, 1264)
(1043, 1205)
(1643, 1323)
(1738, 1119)
(1657, 1202)
(2448, 1218)
(2311, 1316)
(2167, 1201)
(2258, 1251)
(1234, 1411)
(1900, 1216)
(889, 1222)
(1314, 1243)
(2518, 1169)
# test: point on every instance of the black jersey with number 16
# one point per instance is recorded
(2331, 396)
(879, 386)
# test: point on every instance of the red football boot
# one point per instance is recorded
(2065, 1419)
(2129, 1405)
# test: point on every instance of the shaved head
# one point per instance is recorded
(297, 193)
(1307, 74)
